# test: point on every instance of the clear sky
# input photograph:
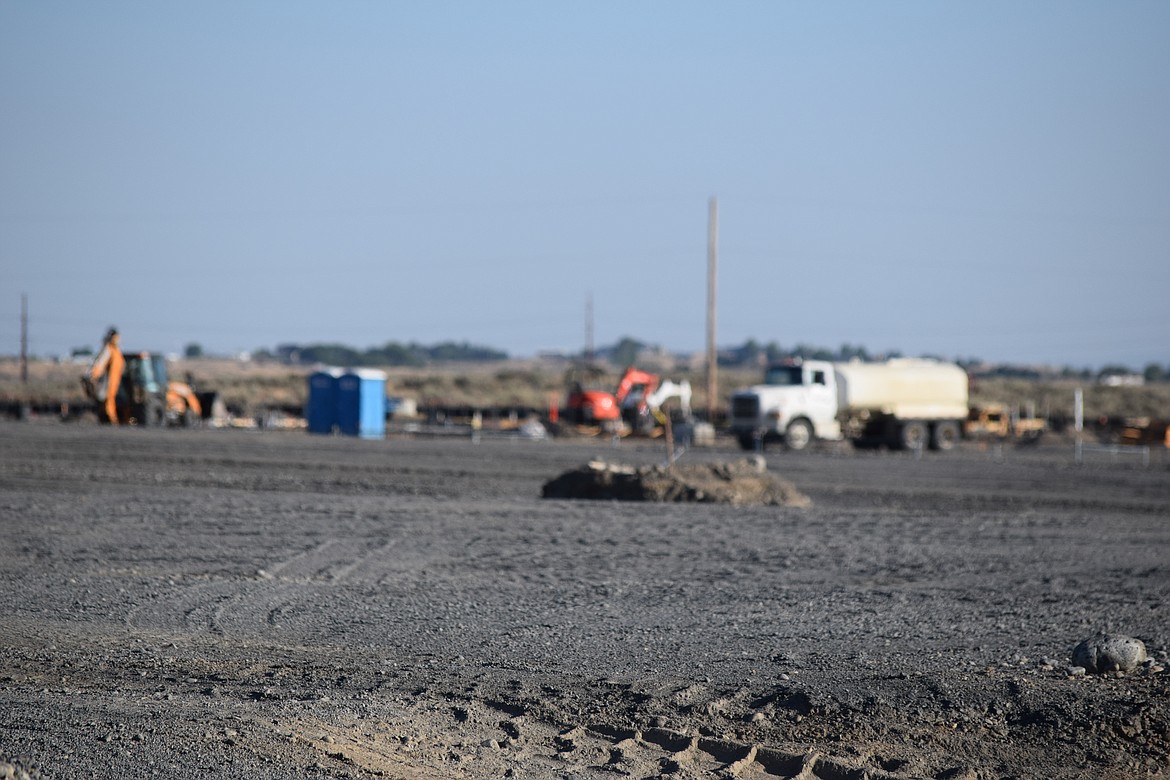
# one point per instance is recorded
(987, 180)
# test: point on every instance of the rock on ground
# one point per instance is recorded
(1103, 653)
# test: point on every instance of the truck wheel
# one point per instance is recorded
(747, 442)
(913, 435)
(798, 435)
(945, 436)
(154, 414)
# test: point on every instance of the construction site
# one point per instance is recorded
(566, 398)
(308, 468)
(189, 603)
(829, 570)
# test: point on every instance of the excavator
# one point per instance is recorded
(587, 404)
(635, 405)
(133, 389)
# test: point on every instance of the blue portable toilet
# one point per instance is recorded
(361, 403)
(321, 408)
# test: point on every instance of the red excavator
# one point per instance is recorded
(634, 405)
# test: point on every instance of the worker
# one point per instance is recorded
(106, 374)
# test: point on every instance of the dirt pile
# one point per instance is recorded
(743, 482)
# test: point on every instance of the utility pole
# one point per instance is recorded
(24, 339)
(712, 266)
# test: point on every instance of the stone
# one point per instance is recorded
(1102, 653)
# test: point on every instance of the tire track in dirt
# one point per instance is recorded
(226, 607)
(435, 739)
(332, 560)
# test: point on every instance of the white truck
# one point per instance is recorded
(903, 403)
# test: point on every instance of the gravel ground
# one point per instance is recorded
(192, 604)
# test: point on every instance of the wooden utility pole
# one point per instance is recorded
(712, 266)
(23, 339)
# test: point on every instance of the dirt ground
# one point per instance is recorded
(217, 603)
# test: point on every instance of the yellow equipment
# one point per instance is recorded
(997, 421)
(132, 389)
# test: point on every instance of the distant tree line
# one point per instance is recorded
(628, 350)
(1156, 373)
(389, 354)
(752, 353)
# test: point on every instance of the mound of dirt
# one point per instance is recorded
(740, 483)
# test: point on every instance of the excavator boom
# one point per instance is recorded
(104, 378)
(635, 378)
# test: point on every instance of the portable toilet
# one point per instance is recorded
(321, 408)
(361, 403)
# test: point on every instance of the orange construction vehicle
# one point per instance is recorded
(587, 403)
(634, 405)
(133, 389)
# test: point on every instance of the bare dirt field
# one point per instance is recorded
(220, 603)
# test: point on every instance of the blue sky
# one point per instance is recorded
(985, 180)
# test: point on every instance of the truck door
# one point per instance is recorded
(822, 397)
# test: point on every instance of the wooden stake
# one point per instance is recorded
(669, 439)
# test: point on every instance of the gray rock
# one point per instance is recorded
(1103, 653)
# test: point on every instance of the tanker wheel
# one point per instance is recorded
(747, 442)
(945, 436)
(913, 435)
(190, 419)
(798, 435)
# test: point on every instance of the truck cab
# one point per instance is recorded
(149, 398)
(796, 403)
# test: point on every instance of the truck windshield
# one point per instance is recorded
(783, 375)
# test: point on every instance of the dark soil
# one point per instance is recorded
(743, 482)
(192, 604)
